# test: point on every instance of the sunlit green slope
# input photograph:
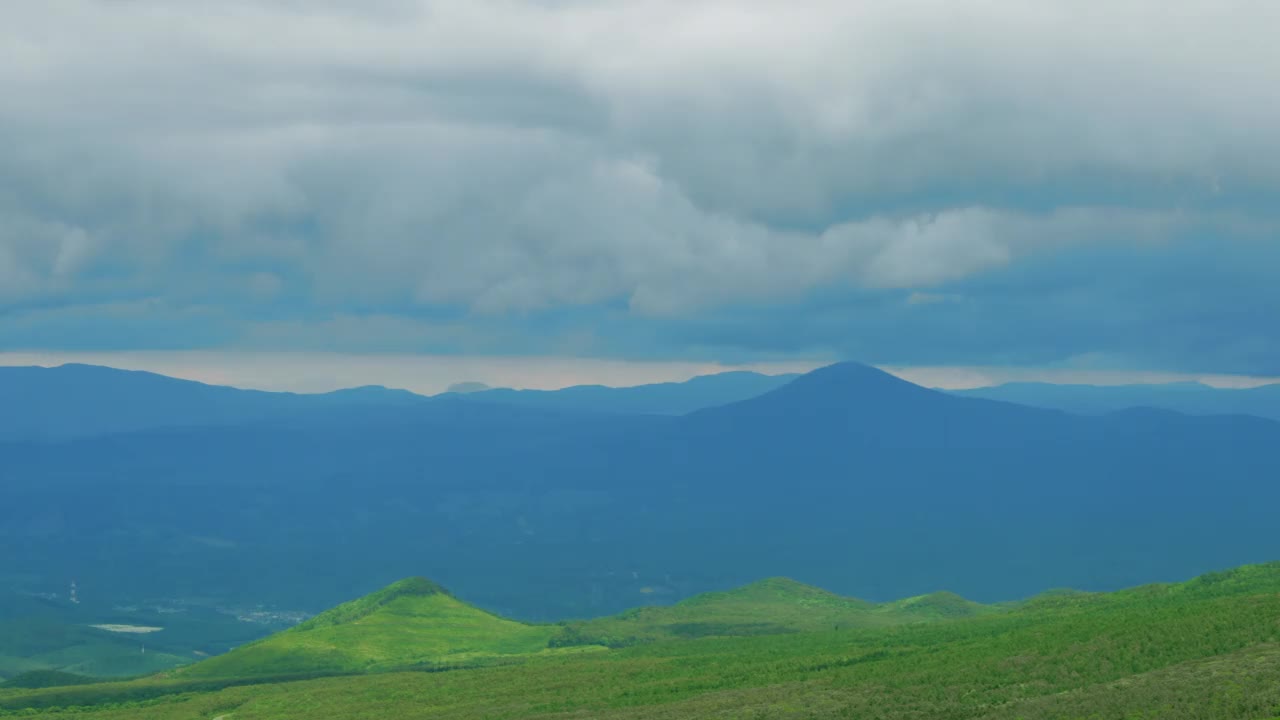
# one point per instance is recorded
(411, 622)
(768, 607)
(1208, 648)
(416, 621)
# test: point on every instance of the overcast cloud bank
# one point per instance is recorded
(918, 182)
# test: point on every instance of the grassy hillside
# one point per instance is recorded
(1209, 648)
(768, 607)
(410, 622)
(415, 621)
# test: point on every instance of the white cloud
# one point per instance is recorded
(510, 156)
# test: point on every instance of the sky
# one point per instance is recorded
(556, 191)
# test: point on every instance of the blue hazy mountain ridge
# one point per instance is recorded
(79, 400)
(83, 400)
(846, 477)
(674, 398)
(1190, 398)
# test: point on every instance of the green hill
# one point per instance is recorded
(417, 622)
(768, 607)
(1207, 648)
(934, 606)
(411, 622)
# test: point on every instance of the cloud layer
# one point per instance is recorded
(911, 181)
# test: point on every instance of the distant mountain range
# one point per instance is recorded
(83, 400)
(846, 477)
(1190, 398)
(658, 399)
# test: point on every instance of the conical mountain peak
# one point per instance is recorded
(853, 377)
(408, 623)
(363, 607)
(841, 388)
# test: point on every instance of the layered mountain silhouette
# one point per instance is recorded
(847, 477)
(658, 399)
(863, 404)
(1190, 398)
(80, 400)
(84, 400)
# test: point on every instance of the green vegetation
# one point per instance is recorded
(61, 643)
(412, 622)
(768, 607)
(33, 679)
(931, 607)
(38, 634)
(363, 607)
(1208, 648)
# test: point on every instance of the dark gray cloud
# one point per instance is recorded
(906, 182)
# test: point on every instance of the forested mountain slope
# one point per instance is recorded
(846, 477)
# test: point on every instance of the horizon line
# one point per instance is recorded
(318, 372)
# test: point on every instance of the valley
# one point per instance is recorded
(846, 478)
(639, 360)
